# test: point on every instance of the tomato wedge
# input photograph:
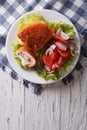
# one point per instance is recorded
(54, 55)
(47, 61)
(65, 54)
(60, 39)
(60, 61)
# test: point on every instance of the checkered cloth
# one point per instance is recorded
(10, 10)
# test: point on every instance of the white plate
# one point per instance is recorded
(11, 38)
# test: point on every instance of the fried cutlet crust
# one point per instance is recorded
(35, 35)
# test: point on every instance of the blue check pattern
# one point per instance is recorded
(10, 10)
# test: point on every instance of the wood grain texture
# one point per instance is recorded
(59, 107)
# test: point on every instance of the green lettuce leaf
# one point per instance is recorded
(54, 75)
(28, 19)
(67, 28)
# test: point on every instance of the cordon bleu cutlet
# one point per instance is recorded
(27, 56)
(33, 37)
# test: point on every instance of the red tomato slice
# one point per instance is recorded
(60, 39)
(60, 61)
(54, 55)
(47, 60)
(65, 54)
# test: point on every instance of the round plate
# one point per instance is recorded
(30, 75)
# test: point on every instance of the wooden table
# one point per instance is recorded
(59, 107)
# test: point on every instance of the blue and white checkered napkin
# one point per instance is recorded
(10, 10)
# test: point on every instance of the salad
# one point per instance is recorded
(56, 56)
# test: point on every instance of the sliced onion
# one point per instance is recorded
(61, 46)
(64, 36)
(72, 47)
(47, 68)
(59, 31)
(49, 51)
(53, 46)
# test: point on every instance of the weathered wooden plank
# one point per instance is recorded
(11, 103)
(43, 112)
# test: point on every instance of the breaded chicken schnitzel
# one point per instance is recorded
(35, 35)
